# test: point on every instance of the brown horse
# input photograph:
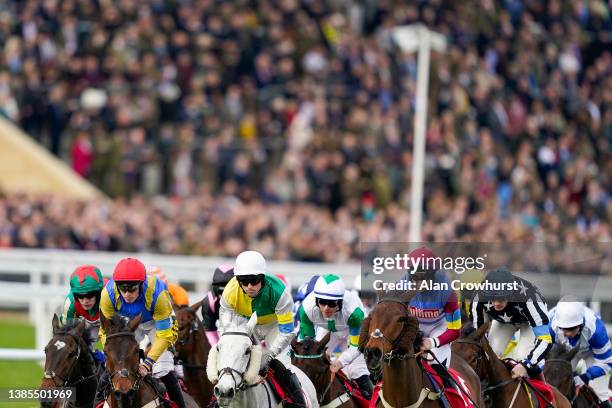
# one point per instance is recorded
(558, 372)
(122, 361)
(69, 363)
(310, 356)
(387, 339)
(192, 348)
(503, 390)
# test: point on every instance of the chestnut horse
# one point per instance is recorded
(192, 349)
(502, 389)
(310, 356)
(387, 339)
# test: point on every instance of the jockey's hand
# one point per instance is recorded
(581, 380)
(519, 370)
(335, 366)
(427, 344)
(143, 370)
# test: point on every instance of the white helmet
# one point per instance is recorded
(357, 283)
(329, 287)
(250, 263)
(569, 314)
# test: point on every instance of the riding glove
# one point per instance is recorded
(581, 380)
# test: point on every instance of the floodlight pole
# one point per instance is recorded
(410, 38)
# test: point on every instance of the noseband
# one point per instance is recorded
(479, 356)
(124, 372)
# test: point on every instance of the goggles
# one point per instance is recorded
(249, 280)
(128, 287)
(87, 295)
(327, 302)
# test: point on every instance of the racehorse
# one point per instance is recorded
(69, 363)
(233, 365)
(558, 372)
(309, 356)
(503, 390)
(387, 340)
(192, 348)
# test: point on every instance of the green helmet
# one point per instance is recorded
(86, 279)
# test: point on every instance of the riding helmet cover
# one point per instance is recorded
(222, 275)
(86, 279)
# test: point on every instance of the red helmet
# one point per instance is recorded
(129, 269)
(423, 261)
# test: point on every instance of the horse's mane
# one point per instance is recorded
(68, 326)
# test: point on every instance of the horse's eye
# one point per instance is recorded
(46, 349)
(247, 352)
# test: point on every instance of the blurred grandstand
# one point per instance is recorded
(286, 126)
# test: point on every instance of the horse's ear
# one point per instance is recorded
(481, 331)
(105, 323)
(55, 323)
(80, 328)
(135, 322)
(407, 296)
(569, 356)
(380, 295)
(252, 322)
(294, 343)
(324, 341)
(194, 308)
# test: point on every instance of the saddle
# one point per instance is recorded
(353, 390)
(277, 377)
(451, 396)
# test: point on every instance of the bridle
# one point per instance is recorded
(230, 370)
(52, 375)
(395, 354)
(480, 354)
(124, 372)
(194, 328)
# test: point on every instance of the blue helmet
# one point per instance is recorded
(306, 288)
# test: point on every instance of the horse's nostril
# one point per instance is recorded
(216, 391)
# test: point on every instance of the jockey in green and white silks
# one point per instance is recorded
(83, 302)
(332, 308)
(252, 289)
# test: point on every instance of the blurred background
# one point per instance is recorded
(204, 128)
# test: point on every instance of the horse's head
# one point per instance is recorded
(63, 352)
(122, 355)
(558, 369)
(308, 355)
(234, 363)
(388, 332)
(187, 323)
(468, 345)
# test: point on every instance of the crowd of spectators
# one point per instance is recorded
(286, 126)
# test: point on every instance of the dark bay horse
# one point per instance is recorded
(474, 348)
(192, 348)
(387, 339)
(122, 361)
(309, 356)
(558, 372)
(69, 363)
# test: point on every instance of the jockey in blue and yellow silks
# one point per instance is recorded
(132, 292)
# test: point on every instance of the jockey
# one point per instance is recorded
(573, 324)
(254, 290)
(210, 306)
(83, 301)
(130, 293)
(332, 308)
(303, 291)
(523, 309)
(436, 310)
(178, 295)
